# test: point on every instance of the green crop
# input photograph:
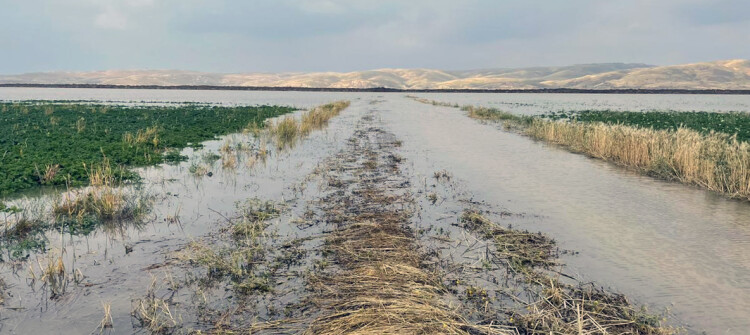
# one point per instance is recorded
(704, 122)
(49, 143)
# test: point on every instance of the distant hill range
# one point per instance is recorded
(719, 75)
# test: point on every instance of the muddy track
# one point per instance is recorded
(382, 281)
(379, 248)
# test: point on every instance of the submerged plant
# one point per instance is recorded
(103, 202)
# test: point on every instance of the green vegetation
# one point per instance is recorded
(20, 234)
(703, 122)
(49, 143)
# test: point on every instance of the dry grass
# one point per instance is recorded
(551, 306)
(143, 136)
(380, 280)
(102, 202)
(318, 117)
(383, 288)
(52, 275)
(106, 322)
(717, 162)
(154, 313)
(288, 130)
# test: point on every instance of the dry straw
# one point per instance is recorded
(715, 161)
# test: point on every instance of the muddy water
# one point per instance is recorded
(531, 104)
(186, 208)
(662, 244)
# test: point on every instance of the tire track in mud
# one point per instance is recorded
(380, 280)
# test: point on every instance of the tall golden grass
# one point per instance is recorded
(288, 130)
(318, 117)
(714, 161)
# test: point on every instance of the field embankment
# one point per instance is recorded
(53, 143)
(709, 150)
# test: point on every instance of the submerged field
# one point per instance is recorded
(57, 143)
(708, 150)
(379, 215)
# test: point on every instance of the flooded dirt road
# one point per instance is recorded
(662, 244)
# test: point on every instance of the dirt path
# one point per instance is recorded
(381, 280)
(379, 248)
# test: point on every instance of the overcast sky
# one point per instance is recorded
(348, 35)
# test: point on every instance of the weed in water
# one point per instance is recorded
(153, 313)
(102, 202)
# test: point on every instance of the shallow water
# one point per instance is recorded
(661, 243)
(531, 104)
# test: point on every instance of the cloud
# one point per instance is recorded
(116, 14)
(344, 35)
(111, 18)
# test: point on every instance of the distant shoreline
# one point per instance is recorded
(385, 90)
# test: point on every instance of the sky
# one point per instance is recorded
(233, 36)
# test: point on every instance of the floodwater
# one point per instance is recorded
(662, 244)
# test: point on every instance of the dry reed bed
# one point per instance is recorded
(288, 130)
(715, 161)
(381, 282)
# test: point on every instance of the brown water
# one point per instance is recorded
(661, 243)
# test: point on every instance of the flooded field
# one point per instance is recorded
(662, 244)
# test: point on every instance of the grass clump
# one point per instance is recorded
(154, 313)
(21, 234)
(288, 130)
(243, 260)
(48, 143)
(103, 202)
(546, 304)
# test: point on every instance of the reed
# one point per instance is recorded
(288, 130)
(716, 161)
(318, 117)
